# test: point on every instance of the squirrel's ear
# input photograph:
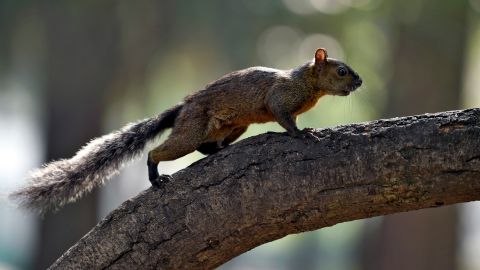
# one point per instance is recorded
(321, 56)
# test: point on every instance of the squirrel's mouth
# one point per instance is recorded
(352, 87)
(358, 82)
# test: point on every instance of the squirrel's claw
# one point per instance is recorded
(157, 181)
(160, 181)
(308, 133)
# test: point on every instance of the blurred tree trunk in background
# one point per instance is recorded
(421, 83)
(81, 57)
(145, 27)
(97, 54)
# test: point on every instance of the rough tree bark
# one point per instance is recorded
(272, 185)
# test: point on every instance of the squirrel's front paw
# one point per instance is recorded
(309, 130)
(160, 181)
(308, 133)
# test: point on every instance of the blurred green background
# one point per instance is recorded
(74, 70)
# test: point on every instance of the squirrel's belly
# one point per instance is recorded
(261, 116)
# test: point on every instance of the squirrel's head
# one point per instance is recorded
(334, 77)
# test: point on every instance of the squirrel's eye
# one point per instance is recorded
(341, 71)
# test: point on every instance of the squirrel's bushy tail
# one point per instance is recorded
(66, 180)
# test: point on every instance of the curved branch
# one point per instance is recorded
(272, 185)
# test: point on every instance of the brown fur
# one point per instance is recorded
(252, 95)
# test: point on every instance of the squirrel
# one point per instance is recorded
(207, 121)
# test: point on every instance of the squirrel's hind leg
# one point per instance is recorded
(209, 148)
(236, 132)
(182, 141)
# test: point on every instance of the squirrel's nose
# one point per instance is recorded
(359, 81)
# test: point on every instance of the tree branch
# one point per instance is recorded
(272, 185)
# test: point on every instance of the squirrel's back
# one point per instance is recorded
(249, 81)
(239, 96)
